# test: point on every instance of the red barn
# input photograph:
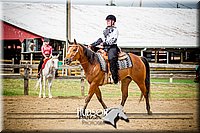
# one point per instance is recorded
(13, 38)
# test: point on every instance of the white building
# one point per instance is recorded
(170, 31)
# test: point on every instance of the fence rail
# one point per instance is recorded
(74, 115)
(26, 75)
(157, 71)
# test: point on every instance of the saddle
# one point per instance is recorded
(121, 55)
(124, 61)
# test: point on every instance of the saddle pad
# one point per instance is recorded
(122, 64)
(102, 62)
(125, 63)
(44, 63)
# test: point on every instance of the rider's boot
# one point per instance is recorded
(38, 75)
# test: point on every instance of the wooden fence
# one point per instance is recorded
(157, 71)
(26, 75)
(5, 69)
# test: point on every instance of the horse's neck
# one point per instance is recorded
(48, 63)
(48, 67)
(85, 64)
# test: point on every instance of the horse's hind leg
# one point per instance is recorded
(44, 87)
(49, 87)
(145, 93)
(124, 89)
(40, 93)
(99, 97)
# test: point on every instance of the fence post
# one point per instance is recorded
(26, 79)
(13, 63)
(171, 78)
(31, 62)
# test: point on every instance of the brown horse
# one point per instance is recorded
(139, 72)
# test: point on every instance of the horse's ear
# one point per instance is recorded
(69, 42)
(75, 41)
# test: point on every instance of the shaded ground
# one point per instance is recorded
(62, 105)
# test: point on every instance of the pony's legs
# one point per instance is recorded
(44, 87)
(99, 97)
(40, 94)
(146, 96)
(49, 87)
(124, 89)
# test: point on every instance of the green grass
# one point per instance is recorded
(174, 80)
(160, 88)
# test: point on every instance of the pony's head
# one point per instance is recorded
(55, 61)
(73, 52)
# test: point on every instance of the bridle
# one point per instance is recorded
(73, 55)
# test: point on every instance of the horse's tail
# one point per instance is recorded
(147, 79)
(38, 83)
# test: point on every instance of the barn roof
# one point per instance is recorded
(11, 32)
(138, 27)
(47, 20)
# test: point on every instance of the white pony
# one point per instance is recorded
(48, 73)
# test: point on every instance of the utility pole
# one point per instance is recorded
(68, 22)
(112, 3)
(140, 3)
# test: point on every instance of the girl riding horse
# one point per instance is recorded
(109, 44)
(139, 72)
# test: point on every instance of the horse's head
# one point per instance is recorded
(55, 61)
(73, 52)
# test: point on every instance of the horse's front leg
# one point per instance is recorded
(40, 94)
(44, 86)
(99, 97)
(49, 87)
(91, 92)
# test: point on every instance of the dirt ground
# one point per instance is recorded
(60, 105)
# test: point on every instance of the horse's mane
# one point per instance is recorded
(91, 56)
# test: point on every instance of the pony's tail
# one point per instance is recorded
(37, 84)
(147, 79)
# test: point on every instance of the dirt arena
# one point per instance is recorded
(30, 107)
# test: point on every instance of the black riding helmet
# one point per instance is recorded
(111, 17)
(46, 39)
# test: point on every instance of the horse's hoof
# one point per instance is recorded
(44, 96)
(50, 96)
(40, 96)
(150, 113)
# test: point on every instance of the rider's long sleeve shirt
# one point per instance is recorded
(110, 35)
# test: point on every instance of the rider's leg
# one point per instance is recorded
(112, 58)
(40, 66)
